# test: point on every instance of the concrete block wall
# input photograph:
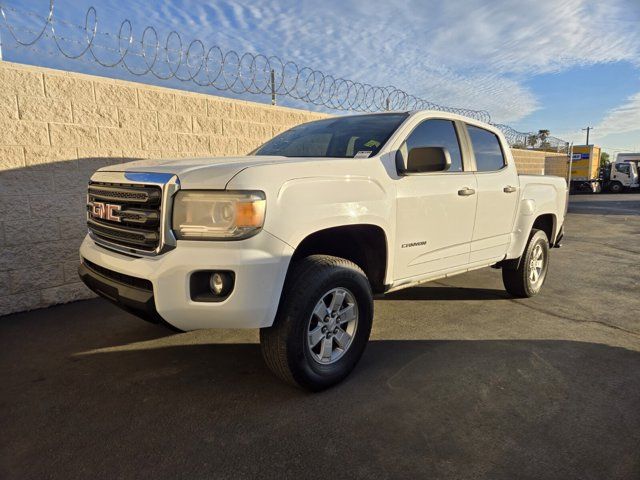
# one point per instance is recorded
(57, 128)
(534, 162)
(556, 165)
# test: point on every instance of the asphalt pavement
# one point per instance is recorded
(460, 381)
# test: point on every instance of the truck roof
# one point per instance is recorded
(628, 156)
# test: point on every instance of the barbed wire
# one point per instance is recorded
(541, 140)
(227, 70)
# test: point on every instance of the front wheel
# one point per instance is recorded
(323, 323)
(616, 187)
(527, 278)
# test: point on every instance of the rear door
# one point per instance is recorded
(434, 220)
(497, 184)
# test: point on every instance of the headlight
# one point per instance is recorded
(217, 215)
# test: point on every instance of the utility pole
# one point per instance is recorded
(588, 129)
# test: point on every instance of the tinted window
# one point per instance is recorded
(335, 137)
(438, 133)
(486, 148)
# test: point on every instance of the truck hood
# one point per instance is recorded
(202, 173)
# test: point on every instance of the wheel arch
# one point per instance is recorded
(364, 244)
(546, 221)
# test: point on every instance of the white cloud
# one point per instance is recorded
(619, 129)
(624, 118)
(542, 36)
(470, 53)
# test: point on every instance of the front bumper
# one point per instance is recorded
(260, 264)
(137, 300)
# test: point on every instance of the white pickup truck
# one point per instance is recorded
(297, 237)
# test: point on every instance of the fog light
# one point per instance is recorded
(216, 282)
(211, 285)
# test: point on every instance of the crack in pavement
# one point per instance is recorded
(589, 208)
(571, 319)
(637, 252)
(551, 313)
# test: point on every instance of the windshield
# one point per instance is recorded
(345, 137)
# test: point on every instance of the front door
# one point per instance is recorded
(435, 211)
(622, 173)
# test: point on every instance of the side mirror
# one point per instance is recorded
(423, 159)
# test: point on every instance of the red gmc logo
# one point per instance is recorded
(105, 211)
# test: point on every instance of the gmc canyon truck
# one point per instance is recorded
(297, 237)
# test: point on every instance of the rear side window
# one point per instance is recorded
(438, 133)
(487, 149)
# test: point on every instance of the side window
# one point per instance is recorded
(623, 168)
(438, 133)
(487, 149)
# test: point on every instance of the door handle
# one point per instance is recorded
(509, 189)
(465, 192)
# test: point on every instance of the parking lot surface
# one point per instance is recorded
(459, 381)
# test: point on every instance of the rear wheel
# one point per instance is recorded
(323, 323)
(527, 278)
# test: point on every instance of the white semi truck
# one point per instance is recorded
(295, 238)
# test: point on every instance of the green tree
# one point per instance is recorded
(604, 159)
(543, 134)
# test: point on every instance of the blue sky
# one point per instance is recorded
(554, 64)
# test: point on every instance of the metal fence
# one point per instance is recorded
(169, 57)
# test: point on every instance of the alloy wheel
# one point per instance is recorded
(332, 326)
(536, 265)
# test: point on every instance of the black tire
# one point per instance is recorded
(284, 345)
(517, 278)
(616, 187)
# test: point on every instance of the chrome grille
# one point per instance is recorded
(129, 194)
(129, 216)
(128, 236)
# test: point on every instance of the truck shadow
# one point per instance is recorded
(606, 207)
(432, 292)
(119, 394)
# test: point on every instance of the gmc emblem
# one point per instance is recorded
(105, 211)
